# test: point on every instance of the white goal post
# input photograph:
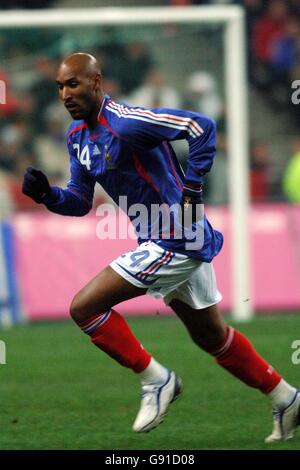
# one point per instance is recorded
(232, 17)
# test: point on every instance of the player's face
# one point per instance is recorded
(78, 92)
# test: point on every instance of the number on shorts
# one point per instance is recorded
(137, 258)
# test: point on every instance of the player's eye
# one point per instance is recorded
(73, 84)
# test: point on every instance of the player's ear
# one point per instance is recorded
(98, 82)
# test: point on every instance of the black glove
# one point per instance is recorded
(191, 200)
(35, 184)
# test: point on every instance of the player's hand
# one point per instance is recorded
(35, 184)
(191, 203)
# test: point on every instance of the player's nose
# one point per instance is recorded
(65, 94)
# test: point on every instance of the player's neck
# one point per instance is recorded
(92, 120)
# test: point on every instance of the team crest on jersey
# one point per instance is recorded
(107, 154)
(109, 164)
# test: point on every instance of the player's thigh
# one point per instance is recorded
(104, 291)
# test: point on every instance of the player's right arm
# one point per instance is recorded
(75, 200)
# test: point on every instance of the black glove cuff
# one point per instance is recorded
(192, 189)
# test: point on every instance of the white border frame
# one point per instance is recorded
(232, 17)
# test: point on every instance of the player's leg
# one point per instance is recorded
(104, 291)
(160, 385)
(234, 352)
(92, 310)
(206, 326)
(231, 349)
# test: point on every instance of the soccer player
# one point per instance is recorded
(128, 151)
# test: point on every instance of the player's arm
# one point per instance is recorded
(151, 127)
(75, 200)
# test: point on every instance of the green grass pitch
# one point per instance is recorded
(60, 392)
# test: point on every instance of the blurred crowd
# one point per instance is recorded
(33, 123)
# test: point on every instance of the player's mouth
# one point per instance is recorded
(72, 108)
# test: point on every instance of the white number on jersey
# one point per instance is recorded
(83, 156)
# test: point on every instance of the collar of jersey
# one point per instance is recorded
(105, 97)
(95, 132)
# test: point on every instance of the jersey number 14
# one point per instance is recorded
(83, 156)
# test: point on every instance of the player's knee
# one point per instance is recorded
(78, 309)
(209, 339)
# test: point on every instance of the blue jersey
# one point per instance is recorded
(129, 153)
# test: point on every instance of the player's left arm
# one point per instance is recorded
(149, 128)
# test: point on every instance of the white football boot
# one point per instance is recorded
(155, 403)
(286, 421)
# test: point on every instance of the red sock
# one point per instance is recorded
(238, 356)
(110, 332)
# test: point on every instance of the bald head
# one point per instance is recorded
(82, 64)
(80, 86)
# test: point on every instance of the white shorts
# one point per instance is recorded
(169, 275)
